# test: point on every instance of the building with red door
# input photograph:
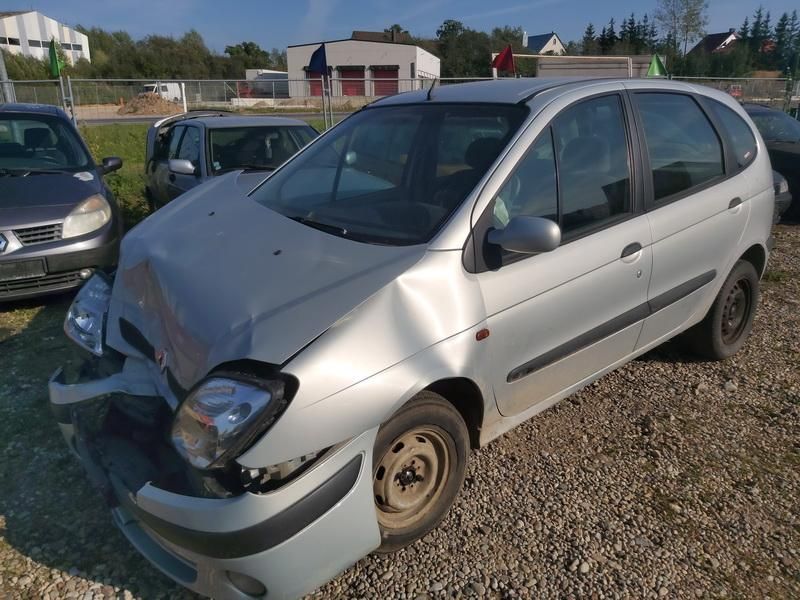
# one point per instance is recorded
(367, 64)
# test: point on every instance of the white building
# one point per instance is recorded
(29, 33)
(367, 64)
(544, 43)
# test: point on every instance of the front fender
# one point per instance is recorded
(305, 428)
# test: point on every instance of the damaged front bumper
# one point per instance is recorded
(279, 544)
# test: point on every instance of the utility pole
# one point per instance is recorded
(7, 89)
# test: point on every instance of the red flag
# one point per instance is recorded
(505, 60)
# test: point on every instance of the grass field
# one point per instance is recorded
(127, 140)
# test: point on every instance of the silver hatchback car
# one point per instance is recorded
(289, 379)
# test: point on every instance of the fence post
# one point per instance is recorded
(71, 101)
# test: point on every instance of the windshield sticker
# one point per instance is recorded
(84, 176)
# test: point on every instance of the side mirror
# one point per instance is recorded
(527, 235)
(181, 166)
(110, 164)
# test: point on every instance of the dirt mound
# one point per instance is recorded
(150, 104)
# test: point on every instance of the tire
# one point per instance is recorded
(726, 327)
(419, 464)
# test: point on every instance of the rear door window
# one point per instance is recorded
(684, 149)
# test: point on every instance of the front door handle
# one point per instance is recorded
(631, 249)
(734, 203)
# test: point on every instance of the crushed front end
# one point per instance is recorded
(209, 523)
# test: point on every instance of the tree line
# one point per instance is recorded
(761, 46)
(671, 31)
(117, 55)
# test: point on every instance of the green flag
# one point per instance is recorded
(56, 64)
(657, 68)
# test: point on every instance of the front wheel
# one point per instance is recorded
(419, 464)
(727, 325)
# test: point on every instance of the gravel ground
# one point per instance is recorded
(667, 478)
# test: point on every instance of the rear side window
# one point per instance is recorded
(683, 147)
(743, 141)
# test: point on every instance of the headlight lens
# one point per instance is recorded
(86, 316)
(88, 216)
(781, 186)
(221, 417)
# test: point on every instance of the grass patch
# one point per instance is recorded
(126, 140)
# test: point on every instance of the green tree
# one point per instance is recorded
(589, 45)
(249, 55)
(450, 29)
(396, 29)
(744, 30)
(682, 21)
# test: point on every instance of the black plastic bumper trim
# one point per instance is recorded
(259, 537)
(615, 325)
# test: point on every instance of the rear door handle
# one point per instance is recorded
(734, 203)
(631, 249)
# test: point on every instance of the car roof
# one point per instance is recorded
(518, 90)
(41, 109)
(501, 91)
(249, 121)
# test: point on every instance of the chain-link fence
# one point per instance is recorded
(776, 93)
(117, 99)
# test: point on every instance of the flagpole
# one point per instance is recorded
(325, 100)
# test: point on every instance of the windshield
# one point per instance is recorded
(256, 147)
(392, 175)
(777, 126)
(30, 142)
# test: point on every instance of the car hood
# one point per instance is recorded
(215, 277)
(27, 201)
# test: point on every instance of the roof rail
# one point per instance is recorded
(192, 114)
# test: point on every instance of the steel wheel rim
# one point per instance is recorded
(410, 477)
(736, 311)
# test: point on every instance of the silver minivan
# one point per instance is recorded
(287, 380)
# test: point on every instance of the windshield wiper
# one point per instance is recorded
(326, 227)
(13, 172)
(47, 171)
(246, 167)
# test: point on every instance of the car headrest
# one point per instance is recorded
(37, 137)
(482, 152)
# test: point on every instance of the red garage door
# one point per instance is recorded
(385, 81)
(314, 84)
(352, 81)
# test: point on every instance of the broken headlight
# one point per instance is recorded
(86, 316)
(222, 416)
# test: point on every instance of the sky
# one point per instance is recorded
(273, 23)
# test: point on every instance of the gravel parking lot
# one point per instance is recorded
(668, 478)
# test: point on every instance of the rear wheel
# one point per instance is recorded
(727, 325)
(419, 464)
